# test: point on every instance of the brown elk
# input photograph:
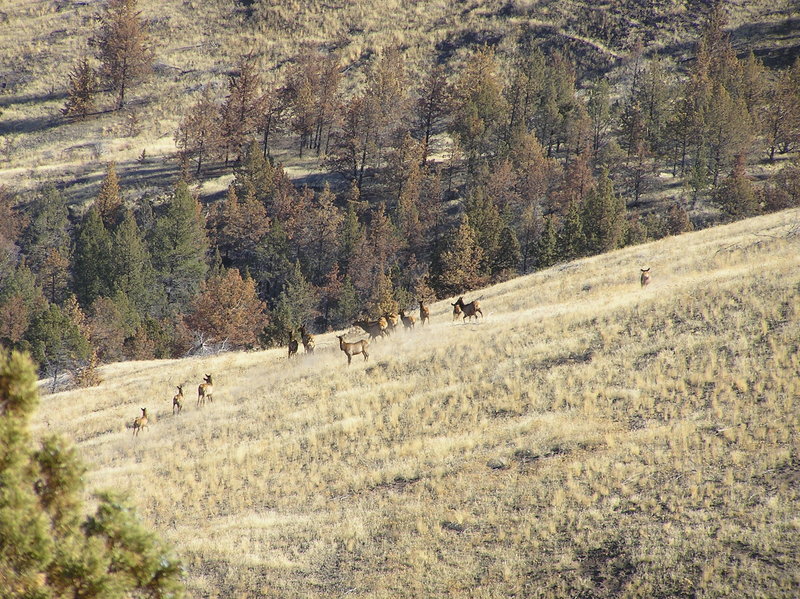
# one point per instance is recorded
(292, 345)
(307, 339)
(374, 328)
(469, 310)
(645, 280)
(177, 400)
(140, 422)
(205, 390)
(392, 321)
(408, 321)
(424, 314)
(456, 311)
(353, 349)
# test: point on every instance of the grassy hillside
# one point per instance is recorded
(587, 438)
(199, 42)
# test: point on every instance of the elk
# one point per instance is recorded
(307, 339)
(424, 314)
(645, 280)
(353, 349)
(292, 345)
(469, 310)
(205, 390)
(140, 422)
(177, 400)
(374, 328)
(456, 311)
(391, 322)
(408, 321)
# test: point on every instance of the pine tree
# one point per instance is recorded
(431, 107)
(736, 195)
(509, 254)
(458, 266)
(239, 112)
(571, 241)
(296, 306)
(123, 47)
(178, 248)
(603, 223)
(92, 267)
(133, 272)
(486, 222)
(109, 199)
(199, 136)
(548, 244)
(81, 89)
(57, 342)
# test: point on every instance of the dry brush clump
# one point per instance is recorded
(590, 437)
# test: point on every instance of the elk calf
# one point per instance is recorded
(307, 339)
(456, 311)
(353, 349)
(177, 400)
(391, 322)
(469, 310)
(408, 321)
(205, 390)
(645, 280)
(292, 345)
(140, 422)
(424, 314)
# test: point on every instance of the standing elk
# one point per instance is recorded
(424, 314)
(140, 422)
(408, 321)
(456, 311)
(205, 390)
(645, 279)
(374, 328)
(469, 310)
(307, 339)
(391, 322)
(353, 349)
(292, 345)
(177, 400)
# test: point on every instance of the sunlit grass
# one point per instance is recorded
(586, 436)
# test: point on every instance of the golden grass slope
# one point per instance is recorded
(587, 438)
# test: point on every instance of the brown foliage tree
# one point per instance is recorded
(228, 310)
(123, 46)
(80, 90)
(199, 136)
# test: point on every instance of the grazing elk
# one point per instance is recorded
(424, 314)
(307, 339)
(645, 279)
(408, 321)
(292, 345)
(140, 422)
(374, 328)
(177, 400)
(353, 349)
(468, 310)
(205, 390)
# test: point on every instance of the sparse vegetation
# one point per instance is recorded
(589, 437)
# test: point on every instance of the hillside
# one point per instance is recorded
(586, 438)
(198, 43)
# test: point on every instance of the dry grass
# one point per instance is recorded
(198, 42)
(587, 438)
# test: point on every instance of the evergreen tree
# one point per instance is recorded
(199, 136)
(123, 47)
(239, 112)
(296, 306)
(92, 266)
(109, 200)
(80, 90)
(178, 248)
(458, 265)
(133, 272)
(485, 221)
(57, 342)
(736, 195)
(509, 253)
(571, 241)
(603, 223)
(547, 249)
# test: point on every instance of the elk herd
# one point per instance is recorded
(380, 327)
